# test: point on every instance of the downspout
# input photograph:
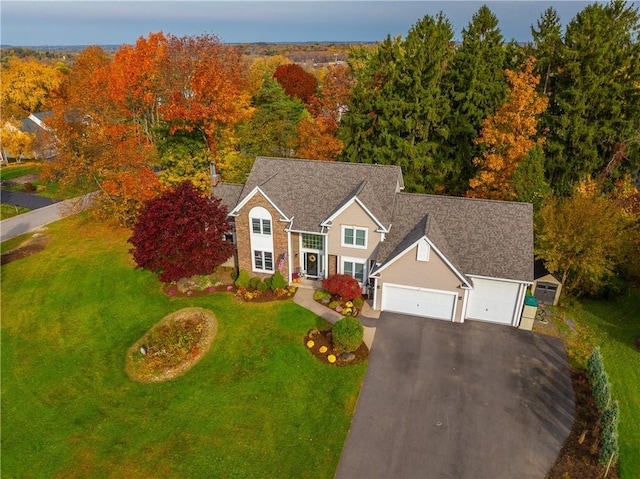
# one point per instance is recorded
(517, 316)
(289, 253)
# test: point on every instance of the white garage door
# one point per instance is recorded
(493, 301)
(418, 301)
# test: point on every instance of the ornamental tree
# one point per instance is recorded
(296, 82)
(181, 234)
(342, 285)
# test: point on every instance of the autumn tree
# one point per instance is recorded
(316, 139)
(508, 136)
(584, 238)
(97, 148)
(181, 234)
(205, 87)
(476, 85)
(184, 156)
(26, 87)
(296, 82)
(334, 92)
(263, 67)
(15, 142)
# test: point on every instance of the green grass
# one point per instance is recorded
(614, 326)
(14, 170)
(9, 211)
(13, 243)
(258, 405)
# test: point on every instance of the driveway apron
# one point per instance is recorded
(445, 400)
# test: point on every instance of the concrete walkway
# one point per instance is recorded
(368, 317)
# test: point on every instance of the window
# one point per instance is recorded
(261, 226)
(423, 250)
(354, 268)
(354, 237)
(262, 261)
(310, 241)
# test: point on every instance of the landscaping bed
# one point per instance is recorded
(322, 339)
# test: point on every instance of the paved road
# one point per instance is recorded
(473, 400)
(33, 220)
(26, 200)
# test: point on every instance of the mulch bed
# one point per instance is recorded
(30, 247)
(323, 338)
(266, 297)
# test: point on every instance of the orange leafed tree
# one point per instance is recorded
(508, 136)
(98, 148)
(333, 93)
(134, 80)
(316, 139)
(205, 86)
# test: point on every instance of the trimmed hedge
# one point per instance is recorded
(347, 334)
(608, 409)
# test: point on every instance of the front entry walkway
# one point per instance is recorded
(449, 400)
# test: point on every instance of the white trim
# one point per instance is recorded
(355, 229)
(262, 270)
(354, 199)
(495, 278)
(290, 277)
(256, 190)
(465, 302)
(440, 255)
(351, 259)
(428, 290)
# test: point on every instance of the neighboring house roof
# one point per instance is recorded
(540, 270)
(34, 123)
(229, 193)
(479, 237)
(310, 191)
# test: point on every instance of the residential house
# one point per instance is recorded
(440, 257)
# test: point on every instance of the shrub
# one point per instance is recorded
(234, 274)
(253, 282)
(320, 294)
(262, 286)
(29, 187)
(267, 281)
(278, 281)
(243, 279)
(334, 304)
(343, 285)
(347, 334)
(358, 302)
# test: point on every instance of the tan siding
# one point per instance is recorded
(432, 274)
(354, 215)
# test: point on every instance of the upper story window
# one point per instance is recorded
(260, 221)
(354, 237)
(423, 250)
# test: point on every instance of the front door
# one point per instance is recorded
(311, 264)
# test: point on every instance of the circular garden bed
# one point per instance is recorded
(172, 346)
(320, 344)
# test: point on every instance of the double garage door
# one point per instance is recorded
(419, 301)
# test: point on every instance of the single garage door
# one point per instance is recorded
(418, 301)
(493, 301)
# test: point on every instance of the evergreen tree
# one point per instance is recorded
(547, 48)
(476, 86)
(596, 99)
(398, 108)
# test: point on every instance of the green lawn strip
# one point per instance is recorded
(615, 325)
(9, 211)
(15, 170)
(258, 405)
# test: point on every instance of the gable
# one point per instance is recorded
(257, 193)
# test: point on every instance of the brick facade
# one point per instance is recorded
(243, 237)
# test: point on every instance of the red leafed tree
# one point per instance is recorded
(296, 82)
(180, 234)
(342, 285)
(205, 86)
(334, 93)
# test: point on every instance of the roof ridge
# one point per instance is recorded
(334, 162)
(464, 198)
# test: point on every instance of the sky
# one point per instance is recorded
(89, 22)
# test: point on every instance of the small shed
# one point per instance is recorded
(546, 286)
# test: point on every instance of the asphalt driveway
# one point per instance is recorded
(472, 400)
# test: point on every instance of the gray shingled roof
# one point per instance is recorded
(229, 193)
(310, 191)
(479, 237)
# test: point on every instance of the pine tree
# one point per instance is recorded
(476, 85)
(596, 100)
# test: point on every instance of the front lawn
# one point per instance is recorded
(9, 211)
(14, 170)
(257, 405)
(614, 326)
